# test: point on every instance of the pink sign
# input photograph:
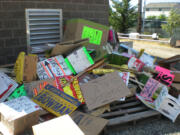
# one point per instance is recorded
(135, 63)
(149, 89)
(164, 75)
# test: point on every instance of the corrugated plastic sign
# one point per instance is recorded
(56, 101)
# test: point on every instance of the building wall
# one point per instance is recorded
(156, 13)
(13, 27)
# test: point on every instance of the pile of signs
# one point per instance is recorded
(75, 85)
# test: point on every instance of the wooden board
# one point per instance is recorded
(131, 110)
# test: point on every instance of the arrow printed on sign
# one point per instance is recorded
(47, 65)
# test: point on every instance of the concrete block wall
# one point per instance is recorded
(13, 27)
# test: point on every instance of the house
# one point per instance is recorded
(156, 9)
(13, 22)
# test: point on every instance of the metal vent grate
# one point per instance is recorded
(44, 26)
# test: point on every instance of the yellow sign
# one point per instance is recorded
(19, 67)
(56, 101)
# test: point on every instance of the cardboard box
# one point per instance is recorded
(167, 105)
(52, 67)
(19, 114)
(79, 60)
(56, 101)
(81, 29)
(89, 124)
(63, 125)
(65, 48)
(103, 90)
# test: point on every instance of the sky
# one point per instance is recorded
(134, 2)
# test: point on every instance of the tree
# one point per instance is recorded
(162, 17)
(173, 22)
(124, 16)
(153, 17)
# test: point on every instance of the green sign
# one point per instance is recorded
(94, 35)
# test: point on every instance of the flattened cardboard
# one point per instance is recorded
(103, 90)
(63, 125)
(30, 65)
(56, 101)
(67, 47)
(89, 124)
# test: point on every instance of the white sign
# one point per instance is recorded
(52, 67)
(79, 60)
(148, 60)
(7, 86)
(17, 108)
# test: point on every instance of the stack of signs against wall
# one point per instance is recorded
(19, 114)
(73, 89)
(56, 101)
(7, 86)
(135, 63)
(164, 76)
(52, 67)
(79, 60)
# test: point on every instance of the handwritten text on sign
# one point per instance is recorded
(94, 35)
(164, 76)
(149, 89)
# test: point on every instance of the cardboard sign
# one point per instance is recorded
(35, 87)
(94, 35)
(103, 90)
(147, 60)
(52, 67)
(79, 60)
(89, 124)
(135, 63)
(64, 48)
(149, 89)
(164, 76)
(56, 101)
(7, 86)
(63, 125)
(73, 89)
